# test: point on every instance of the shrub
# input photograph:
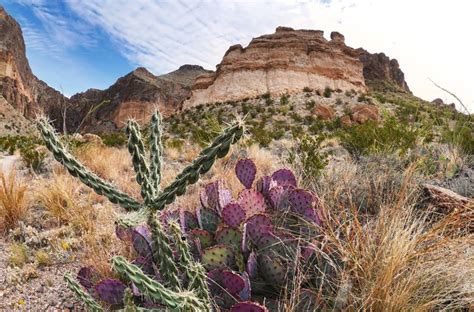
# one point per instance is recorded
(114, 139)
(175, 143)
(310, 104)
(18, 255)
(260, 135)
(307, 90)
(461, 136)
(284, 99)
(370, 138)
(306, 156)
(327, 92)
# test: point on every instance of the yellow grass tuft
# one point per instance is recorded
(13, 201)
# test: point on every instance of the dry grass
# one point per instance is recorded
(67, 201)
(394, 258)
(13, 201)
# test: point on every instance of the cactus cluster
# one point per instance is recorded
(164, 276)
(248, 244)
(225, 254)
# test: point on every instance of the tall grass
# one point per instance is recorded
(13, 201)
(392, 257)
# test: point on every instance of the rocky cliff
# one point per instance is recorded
(135, 95)
(286, 61)
(18, 86)
(290, 60)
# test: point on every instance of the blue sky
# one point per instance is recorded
(74, 45)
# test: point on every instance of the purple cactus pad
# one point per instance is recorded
(88, 276)
(301, 200)
(264, 184)
(110, 290)
(252, 202)
(251, 267)
(232, 282)
(257, 225)
(141, 242)
(245, 170)
(284, 177)
(233, 215)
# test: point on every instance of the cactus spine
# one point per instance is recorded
(171, 293)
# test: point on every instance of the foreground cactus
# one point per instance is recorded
(154, 279)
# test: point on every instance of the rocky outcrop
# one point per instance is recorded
(323, 112)
(286, 61)
(380, 71)
(18, 86)
(362, 113)
(135, 95)
(440, 103)
(290, 60)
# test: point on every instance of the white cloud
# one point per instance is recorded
(428, 37)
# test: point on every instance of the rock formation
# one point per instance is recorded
(286, 61)
(135, 95)
(18, 86)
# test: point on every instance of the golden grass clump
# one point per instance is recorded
(66, 200)
(394, 258)
(13, 201)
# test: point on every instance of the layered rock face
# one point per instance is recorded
(380, 68)
(18, 86)
(135, 95)
(286, 61)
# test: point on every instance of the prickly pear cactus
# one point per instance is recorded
(160, 276)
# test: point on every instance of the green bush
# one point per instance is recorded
(114, 139)
(206, 131)
(327, 92)
(370, 138)
(28, 148)
(307, 156)
(461, 136)
(284, 99)
(260, 135)
(310, 104)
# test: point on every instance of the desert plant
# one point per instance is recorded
(170, 292)
(13, 202)
(307, 156)
(327, 92)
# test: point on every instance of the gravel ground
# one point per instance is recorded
(35, 289)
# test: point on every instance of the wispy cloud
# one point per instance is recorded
(54, 30)
(428, 37)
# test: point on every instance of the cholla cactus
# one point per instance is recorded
(164, 288)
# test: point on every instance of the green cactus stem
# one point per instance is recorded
(177, 301)
(84, 296)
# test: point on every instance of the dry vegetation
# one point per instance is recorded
(382, 248)
(13, 201)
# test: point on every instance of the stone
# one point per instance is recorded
(362, 113)
(283, 62)
(346, 121)
(323, 111)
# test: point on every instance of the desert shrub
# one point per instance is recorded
(327, 92)
(114, 139)
(296, 117)
(307, 156)
(284, 99)
(461, 136)
(18, 255)
(338, 101)
(208, 129)
(370, 138)
(297, 131)
(316, 126)
(13, 201)
(28, 148)
(175, 143)
(260, 135)
(310, 104)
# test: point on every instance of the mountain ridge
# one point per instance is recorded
(286, 61)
